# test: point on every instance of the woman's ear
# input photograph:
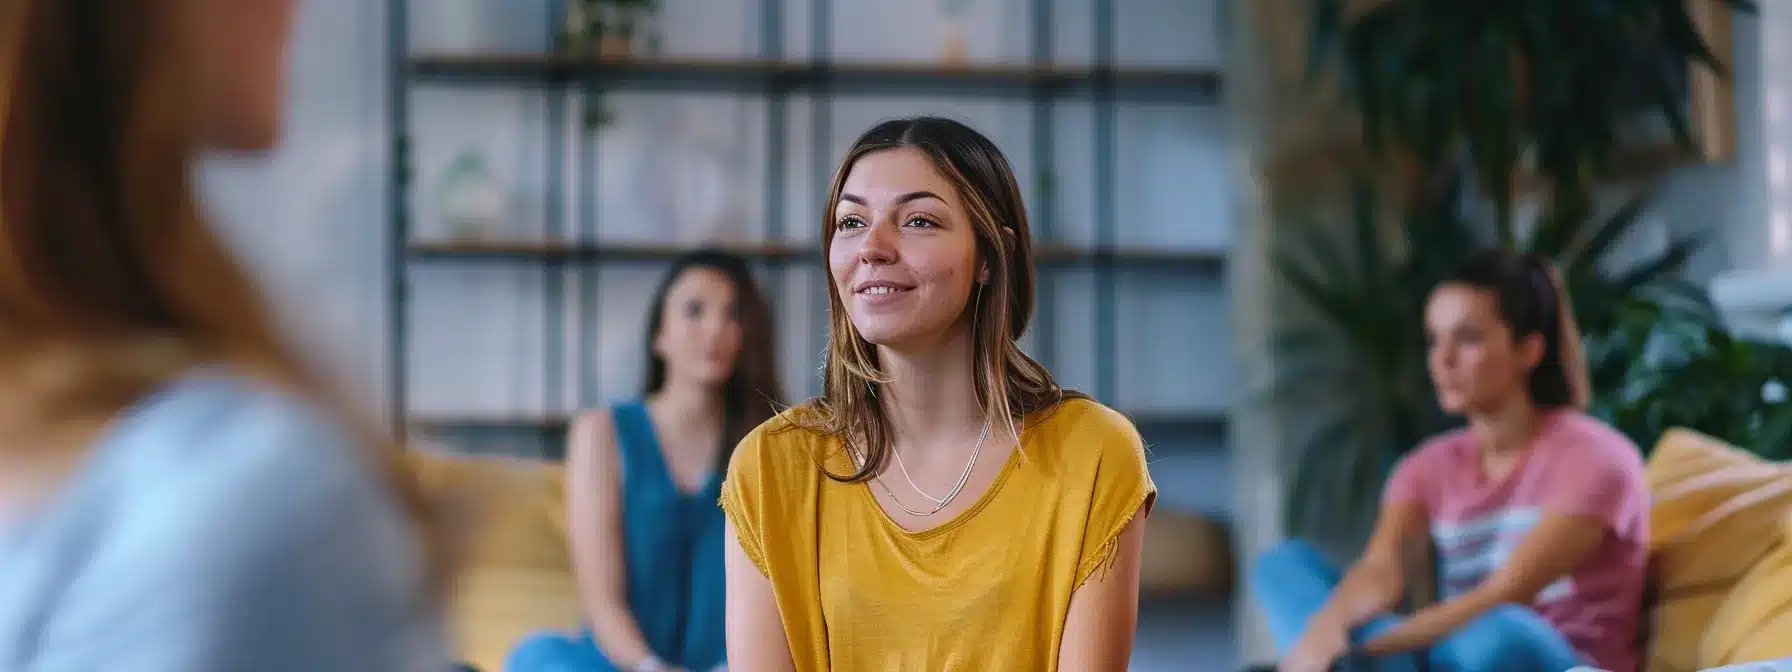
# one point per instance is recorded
(1008, 242)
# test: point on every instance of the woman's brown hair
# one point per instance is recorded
(752, 390)
(1532, 299)
(1010, 385)
(112, 283)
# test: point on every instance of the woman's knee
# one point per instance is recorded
(1508, 637)
(554, 652)
(1289, 557)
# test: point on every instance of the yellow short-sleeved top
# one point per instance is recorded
(986, 590)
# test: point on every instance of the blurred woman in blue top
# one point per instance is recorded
(644, 476)
(178, 492)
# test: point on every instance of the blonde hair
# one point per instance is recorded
(1009, 384)
(111, 281)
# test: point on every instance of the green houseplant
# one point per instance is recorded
(1697, 375)
(1542, 86)
(1458, 102)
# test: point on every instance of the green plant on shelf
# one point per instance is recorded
(608, 28)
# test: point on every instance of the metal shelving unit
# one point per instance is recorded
(776, 75)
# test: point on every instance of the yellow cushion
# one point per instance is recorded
(1753, 624)
(514, 577)
(514, 510)
(1717, 512)
(496, 608)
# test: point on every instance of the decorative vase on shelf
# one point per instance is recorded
(472, 205)
(952, 49)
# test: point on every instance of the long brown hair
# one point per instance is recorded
(752, 391)
(1010, 385)
(111, 281)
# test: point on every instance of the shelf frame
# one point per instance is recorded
(822, 78)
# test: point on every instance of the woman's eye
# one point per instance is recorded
(849, 223)
(921, 222)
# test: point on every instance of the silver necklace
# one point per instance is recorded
(939, 503)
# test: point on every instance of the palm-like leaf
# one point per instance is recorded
(1498, 79)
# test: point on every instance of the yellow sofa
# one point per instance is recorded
(515, 577)
(1721, 528)
(1721, 542)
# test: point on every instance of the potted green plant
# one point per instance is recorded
(1512, 87)
(607, 28)
(1456, 102)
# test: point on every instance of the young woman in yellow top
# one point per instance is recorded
(944, 505)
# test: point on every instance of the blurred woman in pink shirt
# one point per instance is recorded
(1538, 512)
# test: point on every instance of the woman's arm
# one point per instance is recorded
(1104, 612)
(1376, 581)
(755, 630)
(594, 524)
(1556, 546)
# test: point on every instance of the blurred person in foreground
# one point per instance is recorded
(178, 493)
(643, 477)
(1538, 511)
(945, 504)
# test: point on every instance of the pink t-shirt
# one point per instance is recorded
(1576, 466)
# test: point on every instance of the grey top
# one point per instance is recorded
(217, 525)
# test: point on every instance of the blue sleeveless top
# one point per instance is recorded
(672, 543)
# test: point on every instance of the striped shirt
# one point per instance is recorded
(1577, 466)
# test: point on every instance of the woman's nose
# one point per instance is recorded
(878, 245)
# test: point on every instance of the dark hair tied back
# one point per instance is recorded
(1533, 299)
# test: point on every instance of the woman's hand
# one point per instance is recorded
(1322, 645)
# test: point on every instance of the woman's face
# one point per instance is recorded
(1476, 365)
(241, 55)
(904, 252)
(699, 335)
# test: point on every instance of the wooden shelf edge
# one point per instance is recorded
(495, 250)
(1193, 418)
(1202, 84)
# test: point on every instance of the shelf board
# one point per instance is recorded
(1203, 420)
(1157, 258)
(1142, 84)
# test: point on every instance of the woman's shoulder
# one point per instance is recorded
(220, 446)
(789, 445)
(1592, 439)
(1087, 424)
(217, 487)
(216, 425)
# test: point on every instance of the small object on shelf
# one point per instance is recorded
(574, 29)
(608, 29)
(471, 202)
(953, 49)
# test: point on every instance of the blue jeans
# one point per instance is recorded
(556, 652)
(1292, 581)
